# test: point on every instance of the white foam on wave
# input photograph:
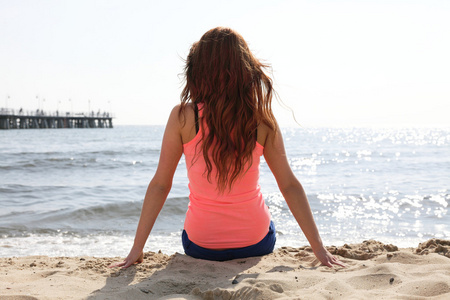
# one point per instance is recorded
(72, 246)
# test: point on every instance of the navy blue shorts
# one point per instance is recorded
(265, 246)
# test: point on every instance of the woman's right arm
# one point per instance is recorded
(158, 189)
(292, 190)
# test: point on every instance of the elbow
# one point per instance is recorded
(293, 187)
(160, 187)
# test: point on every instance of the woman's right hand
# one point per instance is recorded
(134, 257)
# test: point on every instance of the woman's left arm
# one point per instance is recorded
(158, 189)
(295, 196)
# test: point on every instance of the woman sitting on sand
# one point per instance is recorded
(223, 125)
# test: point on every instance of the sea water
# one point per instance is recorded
(70, 192)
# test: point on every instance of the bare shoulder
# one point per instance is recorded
(182, 114)
(264, 133)
(176, 110)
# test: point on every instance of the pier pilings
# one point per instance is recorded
(10, 120)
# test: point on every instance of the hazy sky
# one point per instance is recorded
(335, 63)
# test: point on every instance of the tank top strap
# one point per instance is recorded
(198, 112)
(196, 118)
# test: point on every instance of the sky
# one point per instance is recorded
(334, 63)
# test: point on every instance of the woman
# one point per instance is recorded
(223, 125)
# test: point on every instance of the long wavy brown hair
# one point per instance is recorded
(222, 74)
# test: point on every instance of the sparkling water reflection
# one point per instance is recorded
(79, 192)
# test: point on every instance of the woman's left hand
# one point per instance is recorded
(326, 258)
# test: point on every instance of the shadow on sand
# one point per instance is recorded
(181, 277)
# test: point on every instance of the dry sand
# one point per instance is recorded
(374, 271)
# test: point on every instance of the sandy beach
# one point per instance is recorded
(374, 270)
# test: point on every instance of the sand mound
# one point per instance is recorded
(363, 251)
(434, 246)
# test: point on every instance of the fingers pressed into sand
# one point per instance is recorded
(327, 259)
(135, 257)
(124, 264)
(334, 261)
(117, 264)
(339, 263)
(127, 264)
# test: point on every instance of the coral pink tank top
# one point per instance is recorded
(235, 219)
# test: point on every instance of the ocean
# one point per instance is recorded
(73, 192)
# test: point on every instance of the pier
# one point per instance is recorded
(11, 119)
